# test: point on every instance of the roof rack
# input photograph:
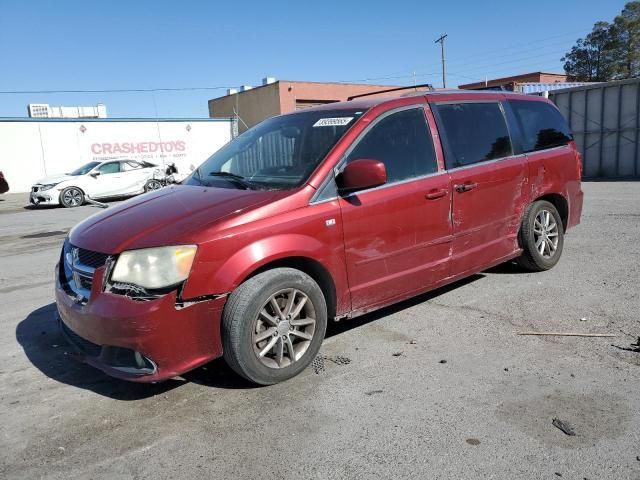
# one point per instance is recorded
(428, 85)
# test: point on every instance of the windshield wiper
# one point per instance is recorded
(239, 179)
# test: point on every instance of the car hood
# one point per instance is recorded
(169, 216)
(61, 177)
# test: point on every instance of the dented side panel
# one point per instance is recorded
(486, 218)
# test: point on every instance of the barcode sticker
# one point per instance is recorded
(333, 122)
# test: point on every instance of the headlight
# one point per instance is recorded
(154, 267)
(48, 186)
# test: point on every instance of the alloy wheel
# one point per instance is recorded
(284, 328)
(545, 233)
(72, 197)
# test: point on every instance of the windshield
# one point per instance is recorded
(83, 170)
(279, 153)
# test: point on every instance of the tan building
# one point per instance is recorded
(274, 97)
(510, 83)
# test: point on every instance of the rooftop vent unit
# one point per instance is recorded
(268, 80)
(245, 88)
(231, 91)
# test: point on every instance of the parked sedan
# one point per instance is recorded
(113, 178)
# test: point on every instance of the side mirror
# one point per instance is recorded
(94, 174)
(361, 174)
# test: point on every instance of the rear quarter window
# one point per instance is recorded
(542, 125)
(473, 132)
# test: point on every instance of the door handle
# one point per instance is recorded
(437, 193)
(465, 187)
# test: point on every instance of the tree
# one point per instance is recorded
(610, 52)
(590, 59)
(626, 34)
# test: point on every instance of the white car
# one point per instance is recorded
(113, 178)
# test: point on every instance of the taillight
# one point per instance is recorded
(578, 160)
(579, 164)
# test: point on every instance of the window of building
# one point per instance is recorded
(402, 142)
(542, 125)
(474, 132)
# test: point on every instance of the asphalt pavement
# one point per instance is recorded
(438, 387)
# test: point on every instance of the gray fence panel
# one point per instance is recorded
(605, 119)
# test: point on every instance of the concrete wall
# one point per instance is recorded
(31, 149)
(605, 119)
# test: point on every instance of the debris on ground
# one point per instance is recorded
(569, 334)
(318, 363)
(339, 360)
(634, 347)
(412, 342)
(472, 441)
(583, 319)
(442, 361)
(564, 427)
(397, 354)
(373, 392)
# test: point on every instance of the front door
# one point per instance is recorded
(397, 236)
(489, 183)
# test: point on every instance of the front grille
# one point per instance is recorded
(78, 266)
(85, 346)
(92, 259)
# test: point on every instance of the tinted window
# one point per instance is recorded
(475, 132)
(402, 142)
(113, 167)
(542, 125)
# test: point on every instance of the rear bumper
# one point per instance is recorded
(165, 340)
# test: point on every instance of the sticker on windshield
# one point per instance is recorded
(333, 122)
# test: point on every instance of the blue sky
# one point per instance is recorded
(117, 44)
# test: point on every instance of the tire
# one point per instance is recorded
(244, 324)
(152, 185)
(71, 197)
(532, 242)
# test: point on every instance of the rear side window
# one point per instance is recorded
(402, 141)
(542, 125)
(474, 132)
(113, 167)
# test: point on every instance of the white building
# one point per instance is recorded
(44, 110)
(32, 148)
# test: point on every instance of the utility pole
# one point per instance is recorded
(441, 42)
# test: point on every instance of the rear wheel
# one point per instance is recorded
(71, 197)
(152, 185)
(273, 325)
(541, 237)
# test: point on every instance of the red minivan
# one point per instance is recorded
(325, 213)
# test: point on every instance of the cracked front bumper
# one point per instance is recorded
(161, 339)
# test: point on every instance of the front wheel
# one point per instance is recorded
(71, 197)
(541, 237)
(273, 325)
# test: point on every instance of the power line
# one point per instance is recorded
(118, 90)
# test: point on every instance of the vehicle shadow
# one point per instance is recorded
(336, 328)
(49, 352)
(509, 268)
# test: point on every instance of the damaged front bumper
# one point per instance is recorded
(141, 341)
(44, 197)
